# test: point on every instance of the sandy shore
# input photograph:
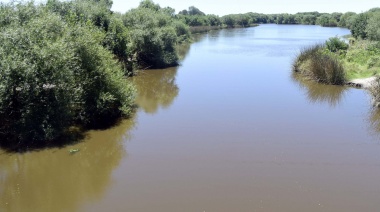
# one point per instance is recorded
(362, 83)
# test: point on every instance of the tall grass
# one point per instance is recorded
(319, 93)
(362, 59)
(323, 67)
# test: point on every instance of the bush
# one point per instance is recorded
(335, 44)
(182, 31)
(374, 61)
(320, 66)
(104, 94)
(229, 20)
(116, 40)
(361, 51)
(75, 11)
(55, 74)
(373, 27)
(37, 81)
(153, 38)
(359, 25)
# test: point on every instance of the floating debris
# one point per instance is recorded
(73, 151)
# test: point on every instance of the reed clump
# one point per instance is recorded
(317, 63)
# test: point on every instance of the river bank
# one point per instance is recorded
(203, 29)
(365, 83)
(335, 62)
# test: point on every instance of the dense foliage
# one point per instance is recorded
(195, 17)
(63, 63)
(55, 73)
(153, 35)
(336, 44)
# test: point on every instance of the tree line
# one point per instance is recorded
(194, 17)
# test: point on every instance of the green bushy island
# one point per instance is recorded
(63, 63)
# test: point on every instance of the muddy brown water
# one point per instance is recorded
(231, 129)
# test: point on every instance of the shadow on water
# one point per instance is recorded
(72, 136)
(183, 50)
(62, 179)
(156, 88)
(320, 93)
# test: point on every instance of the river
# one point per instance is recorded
(230, 129)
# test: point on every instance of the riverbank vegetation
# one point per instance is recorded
(336, 61)
(315, 63)
(64, 64)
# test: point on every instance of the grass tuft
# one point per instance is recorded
(320, 66)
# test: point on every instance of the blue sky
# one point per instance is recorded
(224, 7)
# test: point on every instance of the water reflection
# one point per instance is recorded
(374, 121)
(183, 50)
(56, 180)
(317, 92)
(156, 88)
(234, 32)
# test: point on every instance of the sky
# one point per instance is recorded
(224, 7)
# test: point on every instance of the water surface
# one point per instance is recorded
(231, 129)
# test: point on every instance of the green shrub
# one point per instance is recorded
(75, 11)
(320, 66)
(373, 27)
(55, 74)
(182, 31)
(335, 44)
(116, 40)
(374, 61)
(104, 94)
(361, 51)
(37, 83)
(229, 20)
(152, 38)
(359, 25)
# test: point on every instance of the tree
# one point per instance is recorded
(184, 12)
(229, 20)
(345, 19)
(152, 38)
(326, 20)
(195, 11)
(55, 73)
(37, 90)
(373, 27)
(359, 25)
(214, 20)
(169, 11)
(149, 4)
